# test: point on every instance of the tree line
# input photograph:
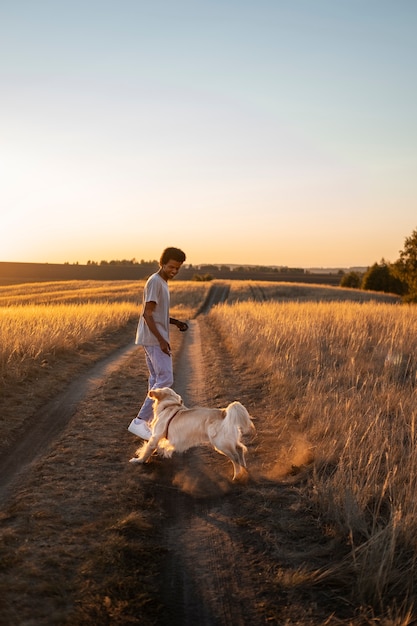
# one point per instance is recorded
(123, 262)
(399, 277)
(205, 268)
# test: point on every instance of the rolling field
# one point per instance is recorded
(331, 376)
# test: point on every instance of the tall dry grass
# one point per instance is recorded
(243, 290)
(184, 293)
(48, 318)
(71, 292)
(33, 332)
(346, 374)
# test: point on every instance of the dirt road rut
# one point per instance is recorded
(205, 580)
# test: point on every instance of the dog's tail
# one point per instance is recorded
(238, 417)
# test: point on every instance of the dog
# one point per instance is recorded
(177, 428)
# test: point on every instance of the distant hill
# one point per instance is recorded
(14, 273)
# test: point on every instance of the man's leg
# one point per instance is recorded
(160, 375)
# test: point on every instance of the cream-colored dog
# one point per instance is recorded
(177, 428)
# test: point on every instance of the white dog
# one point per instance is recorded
(177, 428)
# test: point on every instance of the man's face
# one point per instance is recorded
(170, 269)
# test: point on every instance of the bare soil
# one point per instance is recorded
(87, 538)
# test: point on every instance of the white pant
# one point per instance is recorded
(160, 375)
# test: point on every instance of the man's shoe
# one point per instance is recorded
(140, 428)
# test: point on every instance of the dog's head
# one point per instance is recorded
(165, 393)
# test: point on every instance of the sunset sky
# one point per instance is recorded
(272, 132)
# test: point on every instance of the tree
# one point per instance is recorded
(406, 267)
(381, 277)
(202, 277)
(352, 280)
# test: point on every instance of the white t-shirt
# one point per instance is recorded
(156, 290)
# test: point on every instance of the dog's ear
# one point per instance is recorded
(152, 393)
(173, 394)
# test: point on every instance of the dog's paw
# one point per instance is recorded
(242, 476)
(135, 460)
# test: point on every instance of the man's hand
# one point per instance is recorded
(165, 347)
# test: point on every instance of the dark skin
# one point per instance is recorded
(166, 272)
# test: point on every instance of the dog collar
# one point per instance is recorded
(170, 420)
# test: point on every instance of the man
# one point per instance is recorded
(153, 334)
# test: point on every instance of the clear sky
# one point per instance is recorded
(272, 132)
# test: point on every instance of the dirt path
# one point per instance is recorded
(205, 579)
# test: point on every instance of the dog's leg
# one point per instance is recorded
(241, 449)
(235, 458)
(147, 450)
(238, 470)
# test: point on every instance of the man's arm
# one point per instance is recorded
(183, 326)
(150, 322)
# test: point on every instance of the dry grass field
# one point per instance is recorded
(329, 375)
(345, 375)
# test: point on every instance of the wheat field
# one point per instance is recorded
(43, 319)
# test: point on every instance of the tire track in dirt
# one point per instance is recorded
(205, 580)
(217, 294)
(51, 420)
